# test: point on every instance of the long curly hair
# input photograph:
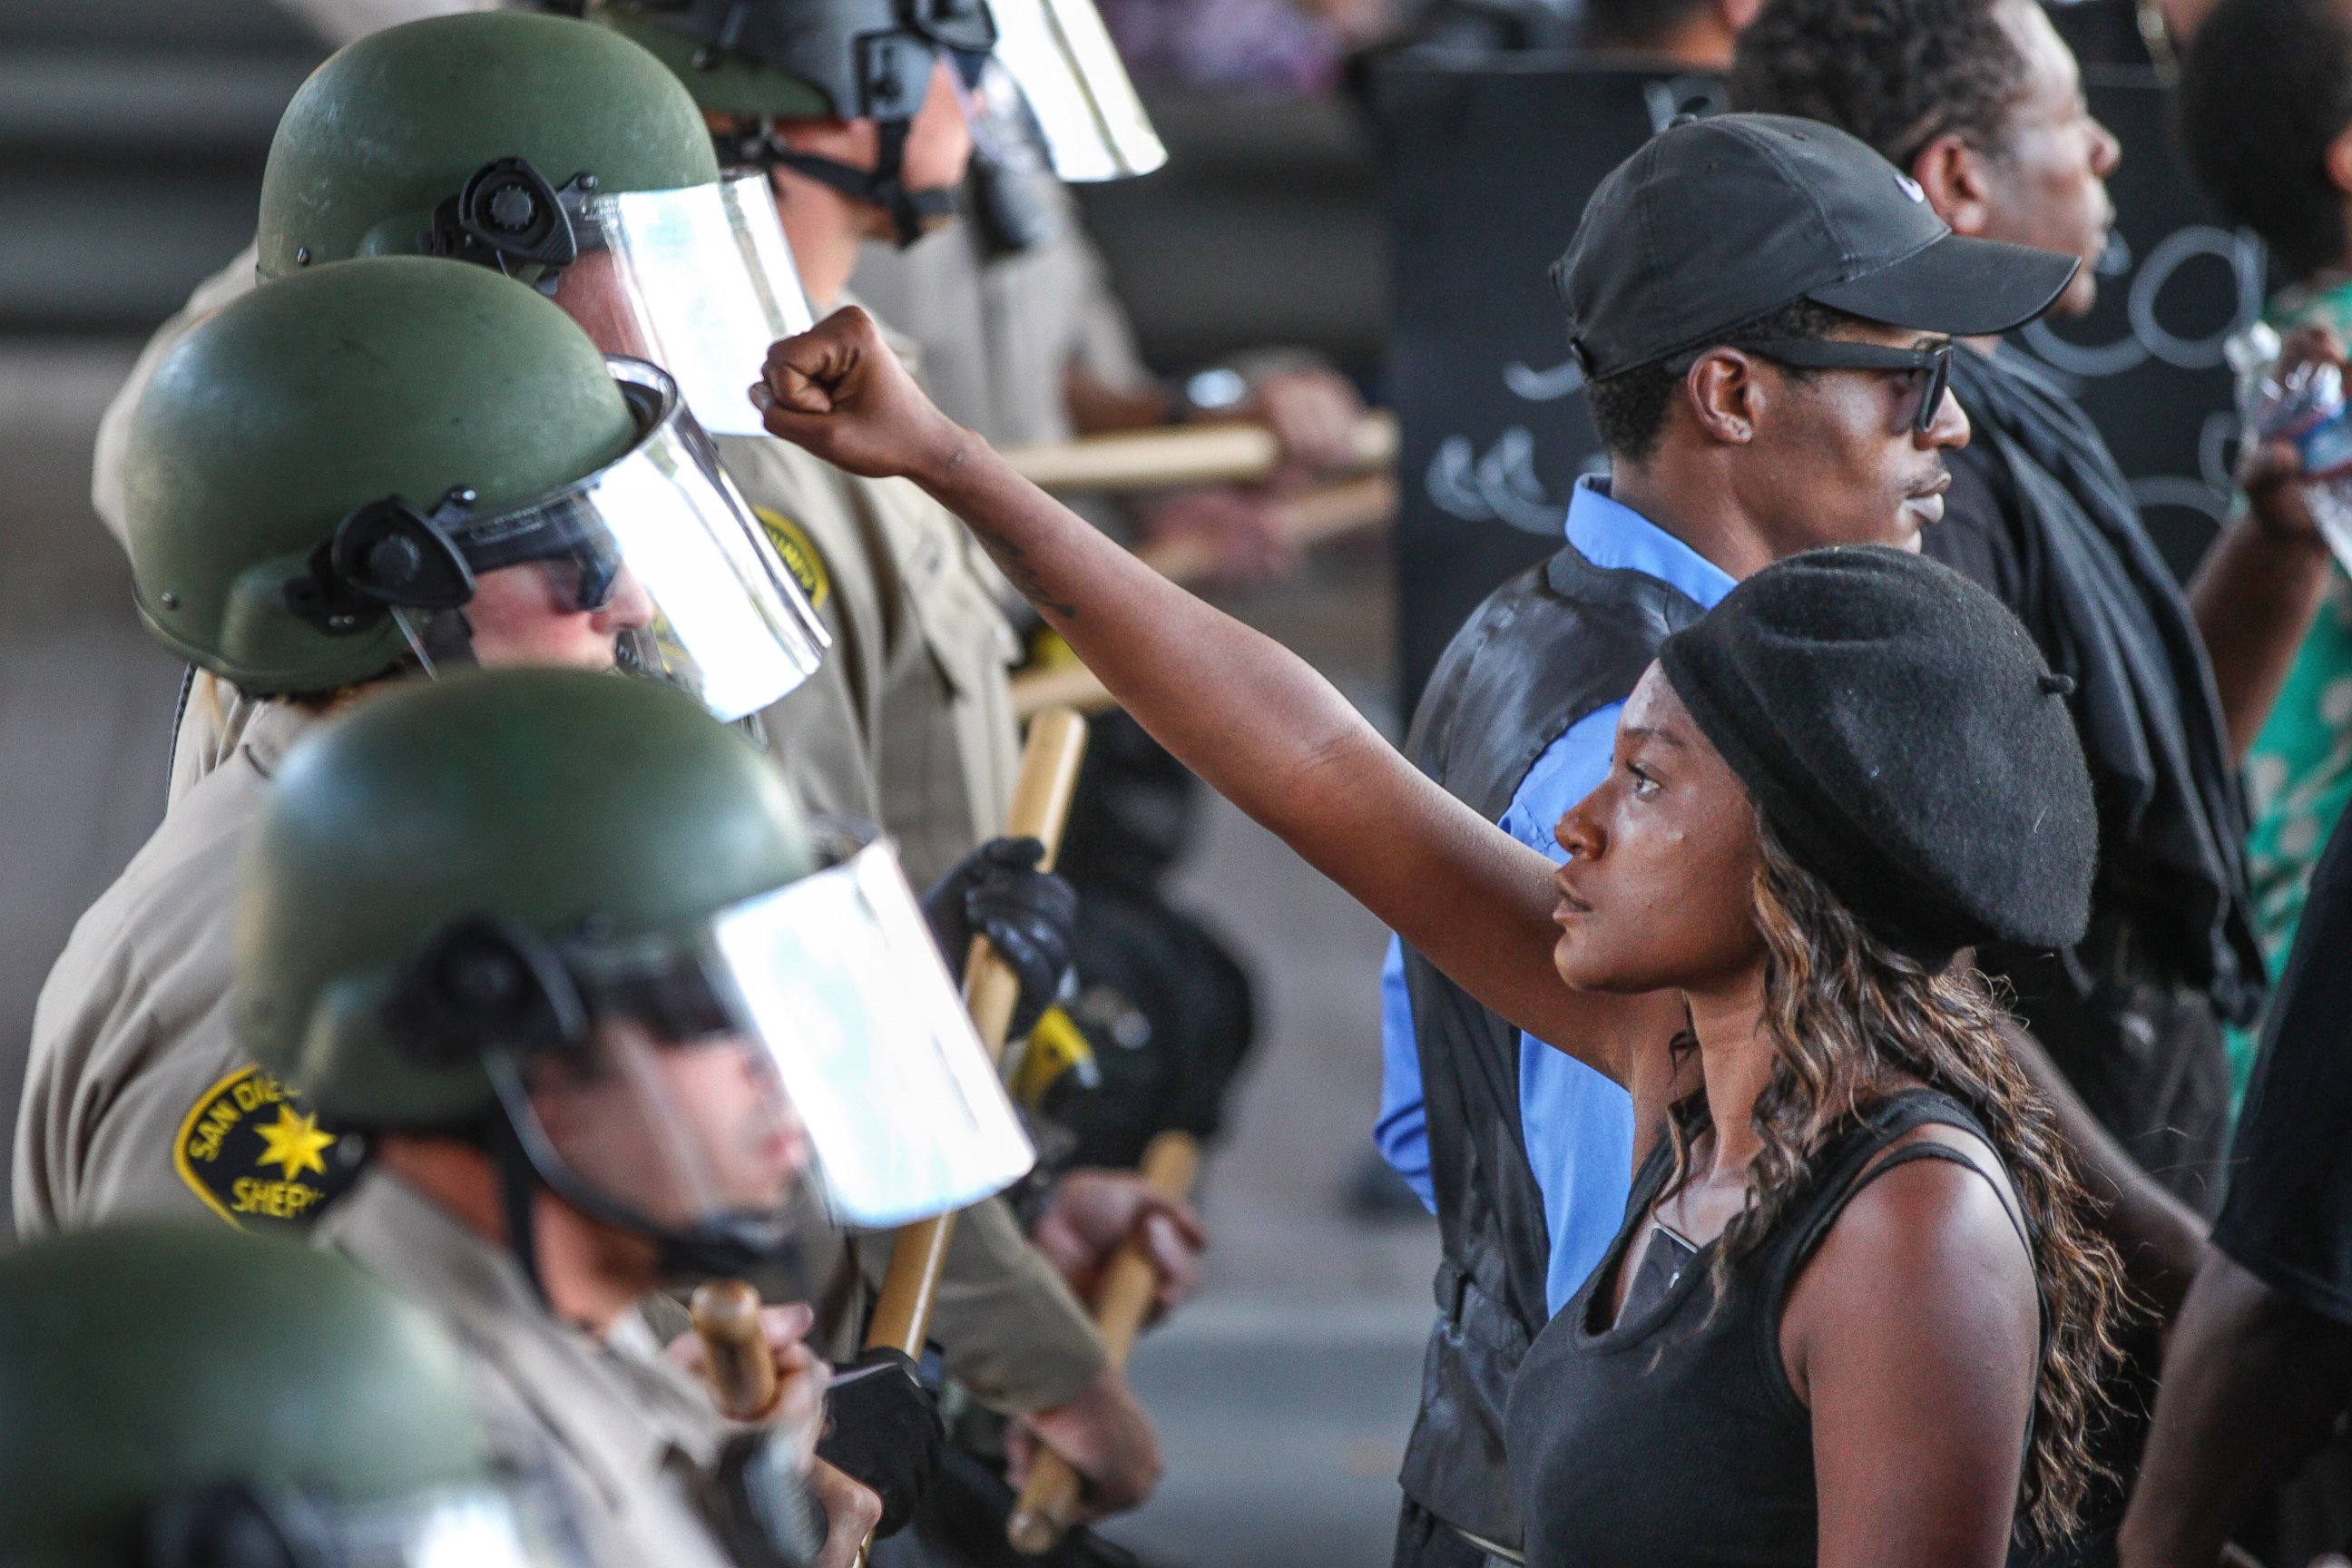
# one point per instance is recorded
(1846, 1015)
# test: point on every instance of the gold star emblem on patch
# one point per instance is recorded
(293, 1143)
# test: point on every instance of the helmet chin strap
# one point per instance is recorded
(517, 1186)
(703, 1253)
(913, 212)
(527, 1160)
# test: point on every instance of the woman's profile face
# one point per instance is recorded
(1657, 893)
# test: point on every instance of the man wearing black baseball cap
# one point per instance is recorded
(1719, 223)
(1764, 309)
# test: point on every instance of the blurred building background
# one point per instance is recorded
(131, 138)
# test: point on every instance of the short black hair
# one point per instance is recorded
(2267, 86)
(1635, 24)
(1895, 73)
(1629, 408)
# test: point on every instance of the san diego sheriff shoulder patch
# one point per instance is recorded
(254, 1152)
(799, 553)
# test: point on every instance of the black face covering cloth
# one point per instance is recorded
(2108, 614)
(1901, 734)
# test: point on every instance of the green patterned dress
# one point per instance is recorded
(2299, 772)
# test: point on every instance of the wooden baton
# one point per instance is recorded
(741, 1367)
(1065, 685)
(1041, 807)
(1122, 1303)
(1182, 454)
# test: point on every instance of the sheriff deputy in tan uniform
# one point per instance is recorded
(137, 1099)
(921, 648)
(547, 1149)
(913, 695)
(631, 1439)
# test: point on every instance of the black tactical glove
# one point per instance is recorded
(882, 1430)
(762, 1505)
(1027, 915)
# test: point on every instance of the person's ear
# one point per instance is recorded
(1957, 183)
(2338, 161)
(1738, 14)
(1720, 392)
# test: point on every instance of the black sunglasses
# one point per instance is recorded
(1831, 354)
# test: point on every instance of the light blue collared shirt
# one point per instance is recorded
(1579, 1125)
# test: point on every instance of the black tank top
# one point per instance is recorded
(1662, 1443)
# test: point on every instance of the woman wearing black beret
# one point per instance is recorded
(1855, 1317)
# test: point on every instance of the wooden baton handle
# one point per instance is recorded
(1041, 808)
(1069, 685)
(741, 1369)
(1182, 454)
(1171, 1164)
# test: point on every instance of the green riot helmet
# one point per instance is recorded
(1042, 83)
(329, 475)
(583, 923)
(182, 1395)
(555, 153)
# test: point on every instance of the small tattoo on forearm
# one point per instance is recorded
(1014, 562)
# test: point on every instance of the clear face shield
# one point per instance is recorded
(810, 1031)
(1053, 92)
(488, 1524)
(699, 281)
(839, 973)
(653, 563)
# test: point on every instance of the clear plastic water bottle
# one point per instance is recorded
(2305, 405)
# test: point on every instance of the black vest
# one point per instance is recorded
(1547, 648)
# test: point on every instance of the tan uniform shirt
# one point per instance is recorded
(908, 722)
(998, 336)
(625, 1438)
(138, 1100)
(917, 674)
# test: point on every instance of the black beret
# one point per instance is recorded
(1901, 733)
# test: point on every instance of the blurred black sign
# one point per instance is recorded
(1490, 160)
(1490, 163)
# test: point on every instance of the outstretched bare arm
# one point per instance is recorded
(1242, 711)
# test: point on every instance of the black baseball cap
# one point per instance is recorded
(1716, 222)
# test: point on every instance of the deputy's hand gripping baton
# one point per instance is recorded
(1040, 806)
(1130, 1282)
